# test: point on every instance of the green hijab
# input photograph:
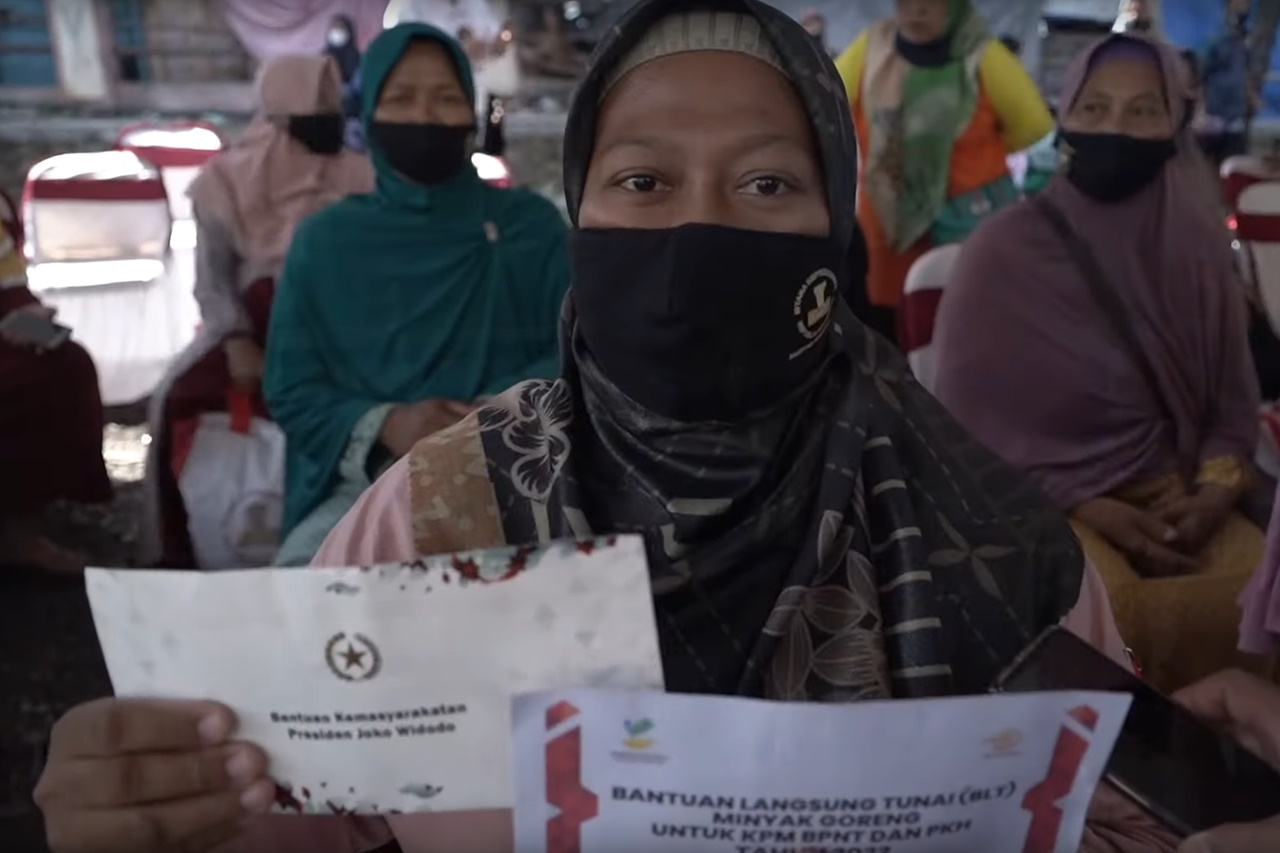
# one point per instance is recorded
(407, 294)
(940, 102)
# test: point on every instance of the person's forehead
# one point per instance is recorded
(1125, 75)
(421, 57)
(680, 77)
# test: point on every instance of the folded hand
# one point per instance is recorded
(1197, 517)
(1149, 541)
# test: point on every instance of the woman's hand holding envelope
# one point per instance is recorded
(144, 776)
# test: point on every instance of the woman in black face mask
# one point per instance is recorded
(340, 43)
(247, 201)
(799, 493)
(399, 309)
(1096, 338)
(818, 528)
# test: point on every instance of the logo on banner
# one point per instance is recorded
(1003, 744)
(353, 657)
(638, 743)
(637, 734)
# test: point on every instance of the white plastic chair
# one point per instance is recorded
(1258, 229)
(921, 296)
(1240, 172)
(179, 150)
(95, 218)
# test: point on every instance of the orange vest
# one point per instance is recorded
(980, 156)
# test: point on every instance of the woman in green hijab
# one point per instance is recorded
(397, 310)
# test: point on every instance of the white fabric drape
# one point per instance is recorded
(271, 28)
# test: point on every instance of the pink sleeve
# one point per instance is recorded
(378, 529)
(1092, 620)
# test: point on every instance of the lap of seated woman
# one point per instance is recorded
(288, 164)
(397, 310)
(51, 424)
(817, 470)
(1141, 422)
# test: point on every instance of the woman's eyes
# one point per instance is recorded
(767, 185)
(640, 183)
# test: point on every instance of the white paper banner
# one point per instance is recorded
(611, 772)
(386, 689)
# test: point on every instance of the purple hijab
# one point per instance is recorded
(1027, 360)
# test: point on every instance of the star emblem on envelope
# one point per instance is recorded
(352, 657)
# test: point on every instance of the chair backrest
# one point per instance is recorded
(101, 206)
(178, 149)
(1240, 172)
(921, 296)
(1258, 229)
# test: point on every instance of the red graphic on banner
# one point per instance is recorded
(575, 803)
(1042, 800)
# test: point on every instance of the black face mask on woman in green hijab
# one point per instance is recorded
(426, 154)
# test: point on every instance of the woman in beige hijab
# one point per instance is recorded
(289, 163)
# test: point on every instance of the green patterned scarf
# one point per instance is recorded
(937, 105)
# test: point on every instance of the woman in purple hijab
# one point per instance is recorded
(1096, 337)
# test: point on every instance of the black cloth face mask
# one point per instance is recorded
(426, 154)
(1111, 167)
(321, 133)
(705, 322)
(932, 54)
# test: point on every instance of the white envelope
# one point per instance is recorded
(385, 689)
(601, 771)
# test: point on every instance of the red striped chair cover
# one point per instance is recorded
(921, 297)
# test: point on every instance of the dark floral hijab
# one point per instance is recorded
(867, 546)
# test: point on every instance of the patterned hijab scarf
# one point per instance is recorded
(917, 108)
(853, 543)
